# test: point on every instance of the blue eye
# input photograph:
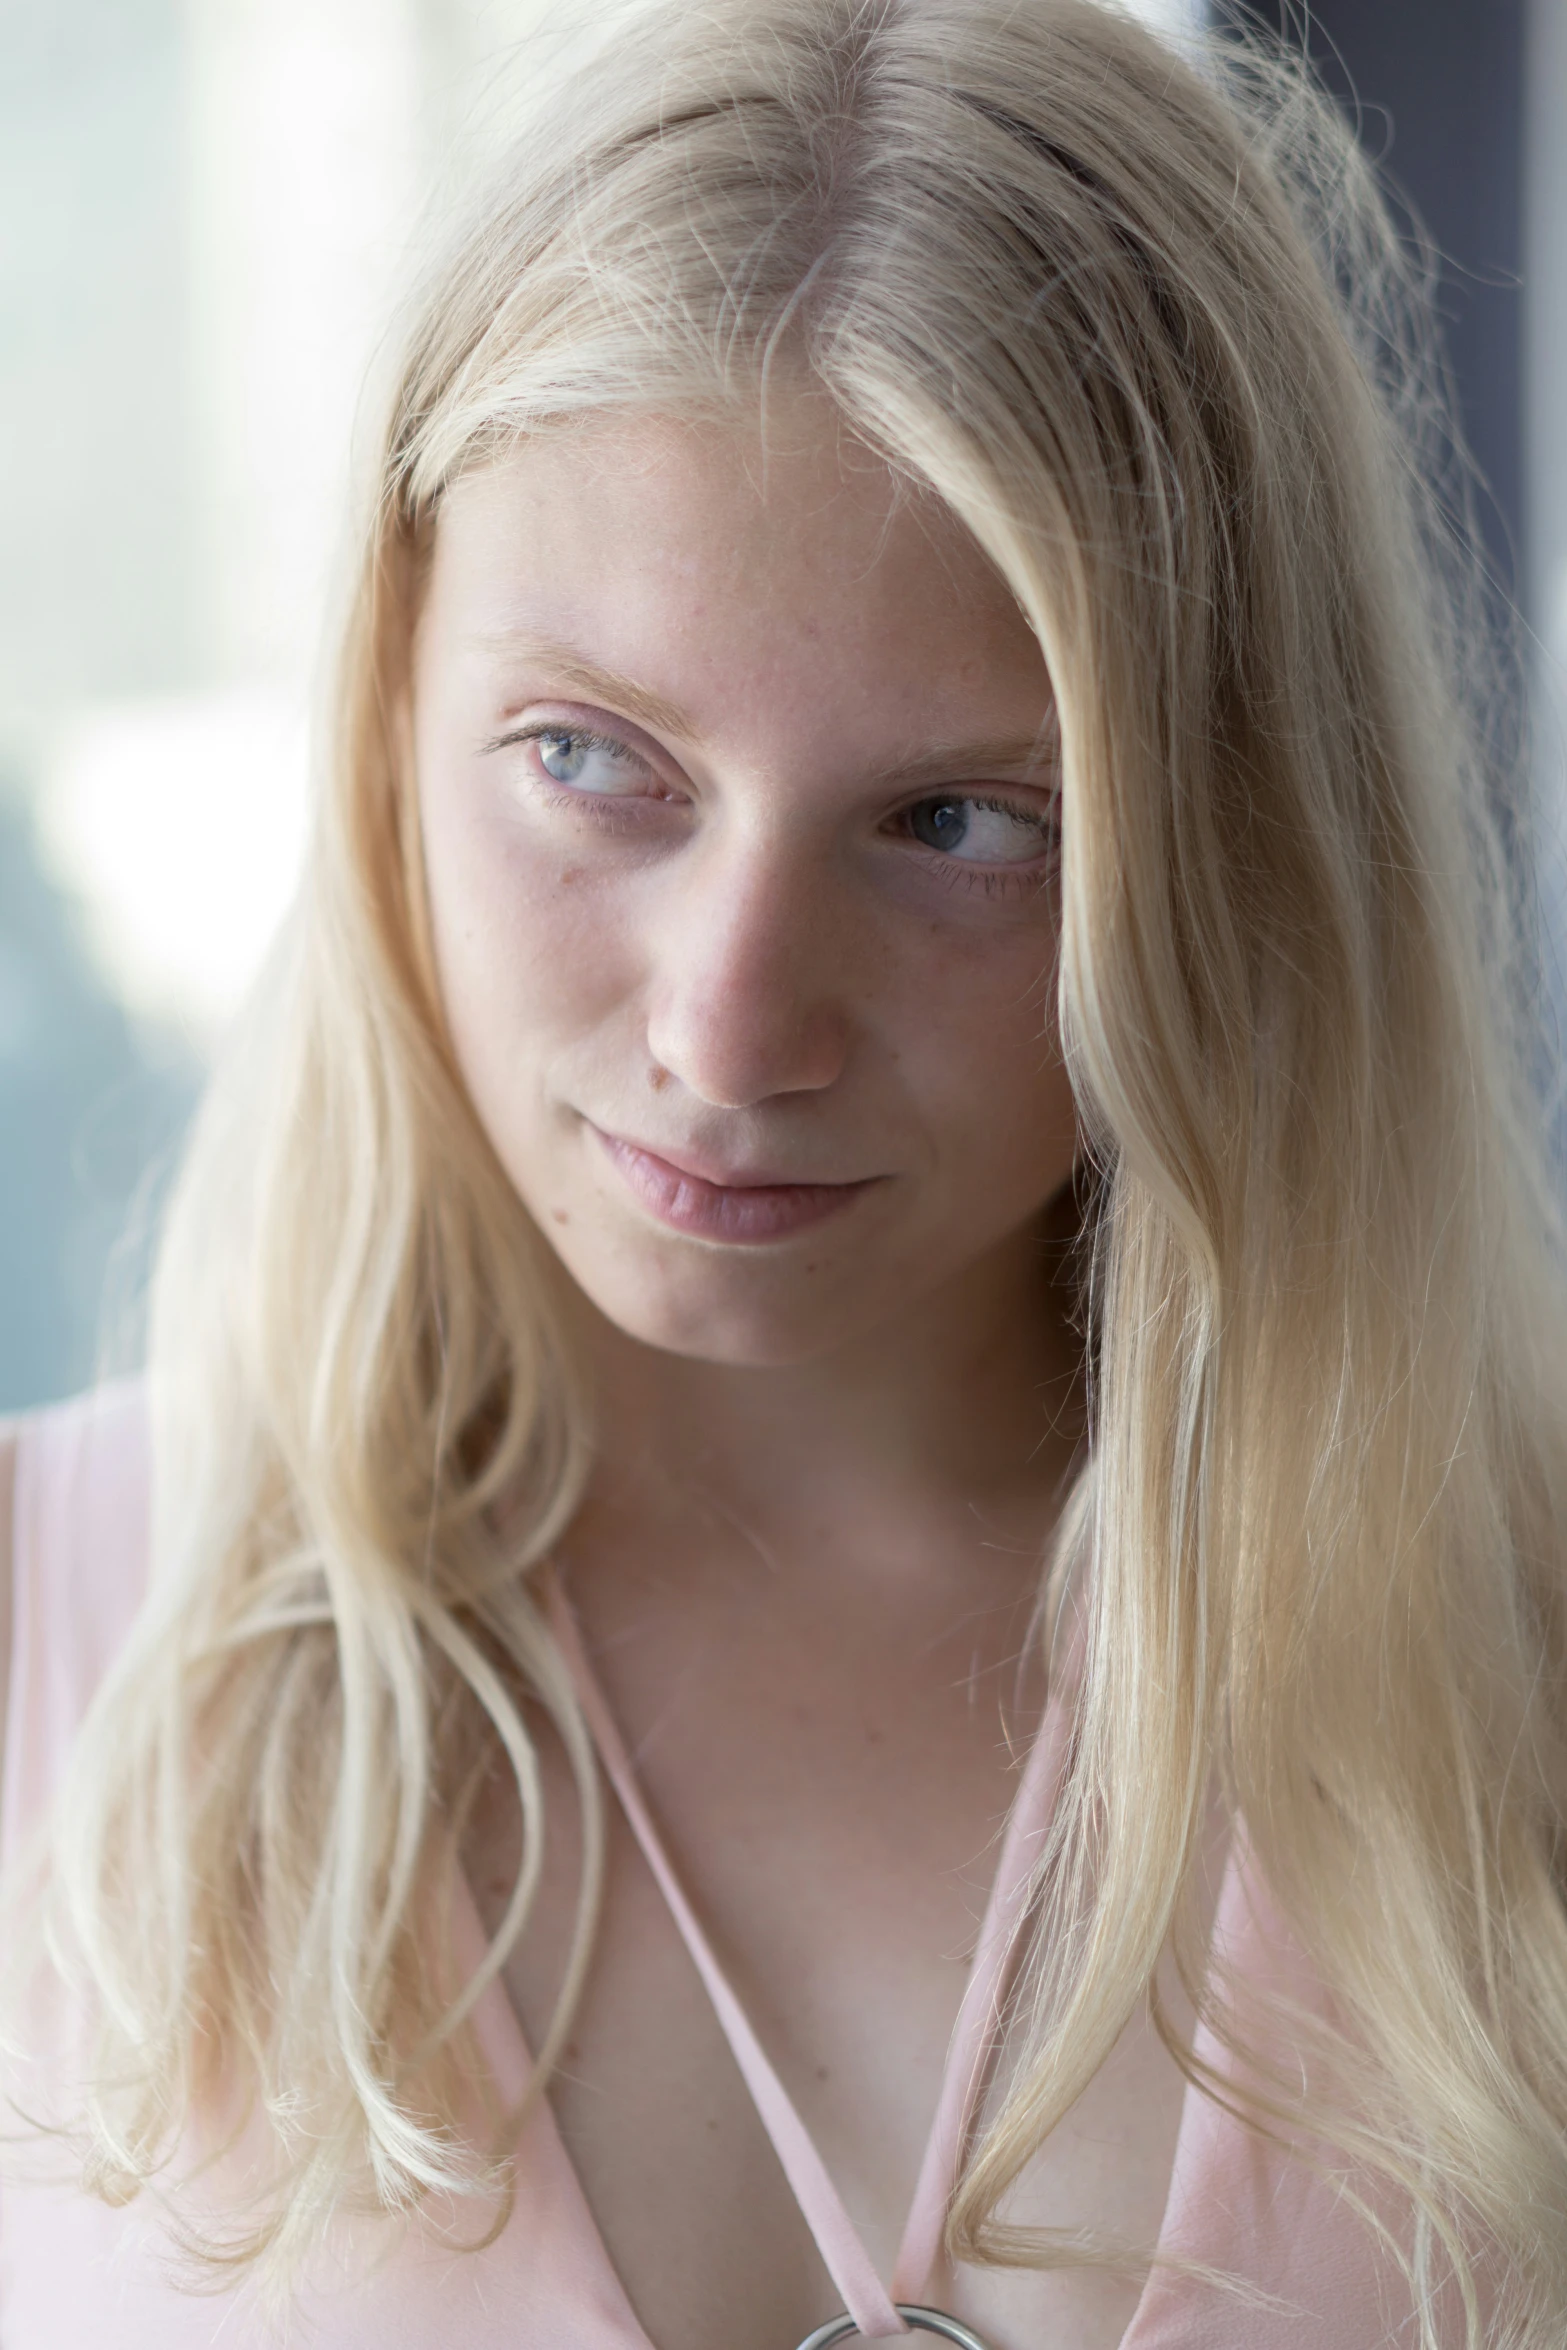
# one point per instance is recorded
(940, 824)
(589, 762)
(980, 832)
(562, 755)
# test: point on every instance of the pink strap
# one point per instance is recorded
(977, 2030)
(848, 2263)
(865, 2298)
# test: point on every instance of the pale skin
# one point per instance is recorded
(831, 1456)
(739, 806)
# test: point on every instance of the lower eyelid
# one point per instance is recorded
(611, 809)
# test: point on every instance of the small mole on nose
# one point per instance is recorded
(560, 1215)
(657, 1078)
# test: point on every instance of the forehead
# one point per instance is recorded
(776, 547)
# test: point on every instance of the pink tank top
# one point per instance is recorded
(75, 2275)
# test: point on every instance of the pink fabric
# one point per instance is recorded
(974, 2038)
(77, 2276)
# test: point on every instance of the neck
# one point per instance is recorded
(963, 1413)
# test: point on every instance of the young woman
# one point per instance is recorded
(890, 1189)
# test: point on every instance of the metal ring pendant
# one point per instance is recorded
(922, 2321)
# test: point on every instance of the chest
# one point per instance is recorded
(836, 1829)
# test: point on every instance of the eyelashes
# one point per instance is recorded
(979, 828)
(566, 755)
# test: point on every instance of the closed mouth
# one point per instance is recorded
(745, 1210)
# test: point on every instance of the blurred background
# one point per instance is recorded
(206, 207)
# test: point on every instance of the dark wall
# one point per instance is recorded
(1439, 87)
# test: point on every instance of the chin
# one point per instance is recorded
(793, 1317)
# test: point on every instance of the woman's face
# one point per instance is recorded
(739, 813)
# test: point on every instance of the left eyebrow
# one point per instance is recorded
(1037, 755)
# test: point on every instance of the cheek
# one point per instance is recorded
(978, 1038)
(1015, 1131)
(529, 956)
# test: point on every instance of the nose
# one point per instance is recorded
(748, 990)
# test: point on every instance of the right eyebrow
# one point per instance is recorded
(574, 673)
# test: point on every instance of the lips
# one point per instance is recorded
(742, 1211)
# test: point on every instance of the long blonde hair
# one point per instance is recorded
(1142, 322)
